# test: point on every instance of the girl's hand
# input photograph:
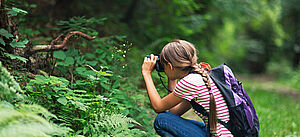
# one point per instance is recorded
(149, 64)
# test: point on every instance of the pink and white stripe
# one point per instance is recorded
(192, 87)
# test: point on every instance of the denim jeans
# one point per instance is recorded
(168, 124)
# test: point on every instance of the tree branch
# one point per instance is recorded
(53, 47)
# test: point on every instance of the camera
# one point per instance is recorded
(158, 66)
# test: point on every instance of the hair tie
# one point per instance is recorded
(205, 65)
(210, 91)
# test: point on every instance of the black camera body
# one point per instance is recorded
(158, 66)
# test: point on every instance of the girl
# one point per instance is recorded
(180, 62)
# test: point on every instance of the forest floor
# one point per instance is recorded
(266, 82)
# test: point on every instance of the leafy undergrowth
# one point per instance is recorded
(86, 90)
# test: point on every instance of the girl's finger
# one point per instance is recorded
(152, 57)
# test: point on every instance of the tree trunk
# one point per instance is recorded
(296, 60)
(7, 24)
(3, 16)
(130, 12)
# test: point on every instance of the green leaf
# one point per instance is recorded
(13, 56)
(69, 61)
(39, 79)
(79, 105)
(80, 60)
(116, 84)
(90, 72)
(104, 73)
(120, 38)
(62, 100)
(62, 64)
(5, 33)
(19, 10)
(2, 49)
(2, 42)
(15, 11)
(59, 55)
(80, 69)
(92, 63)
(105, 86)
(19, 44)
(90, 55)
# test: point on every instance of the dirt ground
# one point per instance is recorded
(268, 83)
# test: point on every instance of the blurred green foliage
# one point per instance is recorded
(245, 34)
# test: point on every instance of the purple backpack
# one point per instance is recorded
(243, 119)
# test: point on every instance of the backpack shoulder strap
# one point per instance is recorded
(198, 108)
(218, 76)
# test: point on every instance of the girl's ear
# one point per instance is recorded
(171, 67)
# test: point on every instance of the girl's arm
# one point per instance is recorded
(158, 104)
(183, 106)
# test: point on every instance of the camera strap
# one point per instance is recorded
(160, 76)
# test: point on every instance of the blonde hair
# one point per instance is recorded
(182, 55)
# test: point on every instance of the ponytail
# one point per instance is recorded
(212, 112)
(212, 116)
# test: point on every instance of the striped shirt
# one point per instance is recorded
(192, 87)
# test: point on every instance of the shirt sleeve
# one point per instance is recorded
(185, 89)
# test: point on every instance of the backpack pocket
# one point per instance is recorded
(237, 124)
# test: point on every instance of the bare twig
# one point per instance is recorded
(52, 46)
(55, 40)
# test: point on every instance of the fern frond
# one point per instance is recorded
(110, 125)
(25, 124)
(9, 88)
(36, 109)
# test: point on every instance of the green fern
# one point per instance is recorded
(35, 109)
(25, 122)
(81, 24)
(72, 107)
(9, 88)
(22, 120)
(103, 124)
